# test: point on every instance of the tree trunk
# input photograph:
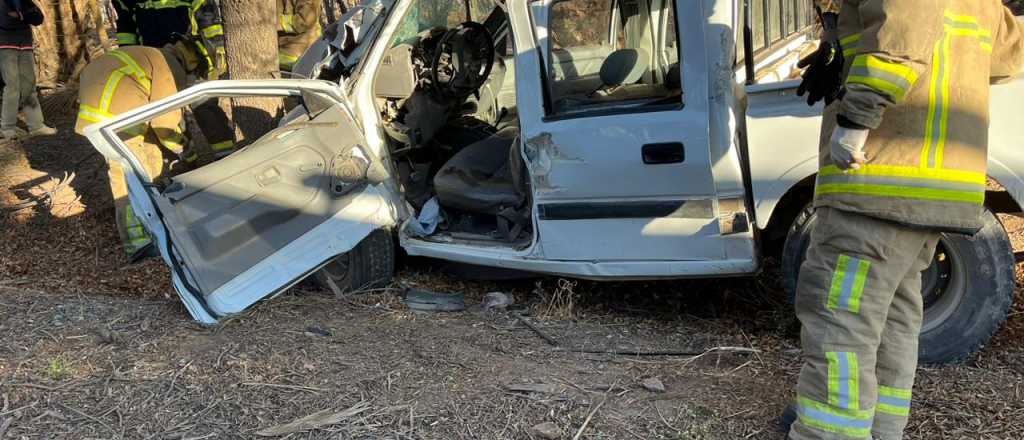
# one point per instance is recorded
(250, 43)
(72, 34)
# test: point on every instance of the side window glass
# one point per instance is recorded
(607, 54)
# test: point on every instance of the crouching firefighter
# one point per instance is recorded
(903, 158)
(298, 28)
(128, 78)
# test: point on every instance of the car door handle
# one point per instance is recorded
(664, 153)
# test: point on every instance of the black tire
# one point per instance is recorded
(968, 288)
(370, 265)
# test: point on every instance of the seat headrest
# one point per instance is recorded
(624, 66)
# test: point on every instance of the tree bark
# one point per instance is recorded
(250, 44)
(72, 34)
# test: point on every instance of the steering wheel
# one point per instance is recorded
(463, 60)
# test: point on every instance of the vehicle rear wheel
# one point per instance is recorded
(371, 264)
(968, 290)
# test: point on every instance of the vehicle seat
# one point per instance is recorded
(486, 177)
(624, 66)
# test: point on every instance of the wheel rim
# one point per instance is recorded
(337, 269)
(943, 285)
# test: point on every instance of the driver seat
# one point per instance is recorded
(487, 177)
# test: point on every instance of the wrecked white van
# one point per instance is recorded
(599, 139)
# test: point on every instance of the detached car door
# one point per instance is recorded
(252, 224)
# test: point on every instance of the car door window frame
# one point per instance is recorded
(541, 18)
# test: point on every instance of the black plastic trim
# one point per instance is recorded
(613, 210)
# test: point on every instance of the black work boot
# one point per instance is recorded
(787, 419)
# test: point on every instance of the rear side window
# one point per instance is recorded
(610, 54)
(580, 23)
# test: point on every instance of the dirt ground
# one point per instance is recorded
(96, 348)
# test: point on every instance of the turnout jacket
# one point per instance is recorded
(127, 78)
(298, 27)
(917, 75)
(154, 23)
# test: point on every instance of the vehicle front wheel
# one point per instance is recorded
(968, 289)
(371, 264)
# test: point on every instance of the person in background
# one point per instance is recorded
(298, 27)
(17, 65)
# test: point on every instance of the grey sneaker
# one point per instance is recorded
(13, 134)
(45, 130)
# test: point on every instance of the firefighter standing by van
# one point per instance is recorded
(128, 78)
(298, 28)
(903, 158)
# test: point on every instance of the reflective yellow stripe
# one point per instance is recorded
(847, 422)
(904, 183)
(211, 69)
(850, 44)
(286, 61)
(894, 79)
(133, 69)
(943, 129)
(902, 192)
(959, 176)
(164, 4)
(213, 31)
(937, 124)
(843, 380)
(894, 401)
(287, 23)
(109, 88)
(172, 144)
(222, 146)
(93, 114)
(126, 38)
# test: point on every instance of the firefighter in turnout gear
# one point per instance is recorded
(903, 158)
(298, 27)
(154, 23)
(127, 78)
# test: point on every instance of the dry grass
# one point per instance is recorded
(559, 303)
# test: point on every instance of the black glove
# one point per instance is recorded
(823, 78)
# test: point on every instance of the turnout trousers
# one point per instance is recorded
(859, 302)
